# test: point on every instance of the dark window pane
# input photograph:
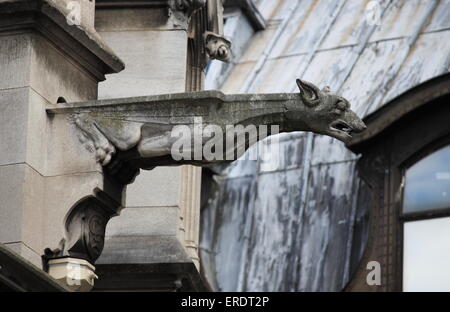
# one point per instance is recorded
(427, 184)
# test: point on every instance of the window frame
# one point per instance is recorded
(420, 215)
(432, 213)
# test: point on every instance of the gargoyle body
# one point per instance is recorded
(141, 130)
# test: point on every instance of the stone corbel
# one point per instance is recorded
(85, 228)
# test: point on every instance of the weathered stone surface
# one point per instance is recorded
(63, 143)
(153, 44)
(36, 132)
(12, 177)
(152, 188)
(143, 221)
(143, 249)
(15, 57)
(43, 58)
(22, 205)
(18, 274)
(53, 76)
(118, 19)
(25, 252)
(14, 106)
(70, 39)
(144, 75)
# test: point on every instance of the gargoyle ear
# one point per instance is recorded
(308, 92)
(326, 89)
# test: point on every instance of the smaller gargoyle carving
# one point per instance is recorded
(217, 47)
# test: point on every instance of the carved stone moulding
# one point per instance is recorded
(51, 21)
(187, 6)
(181, 10)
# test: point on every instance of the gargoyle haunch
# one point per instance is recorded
(140, 129)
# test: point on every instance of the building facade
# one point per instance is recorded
(318, 215)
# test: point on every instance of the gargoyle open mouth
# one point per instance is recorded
(342, 127)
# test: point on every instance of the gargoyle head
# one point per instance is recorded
(326, 113)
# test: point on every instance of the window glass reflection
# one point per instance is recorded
(426, 255)
(427, 184)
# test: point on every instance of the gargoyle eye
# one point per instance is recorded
(341, 105)
(338, 111)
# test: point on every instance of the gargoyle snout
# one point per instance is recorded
(355, 122)
(343, 128)
(360, 127)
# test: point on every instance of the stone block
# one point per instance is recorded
(22, 206)
(26, 252)
(36, 142)
(13, 125)
(131, 19)
(143, 249)
(15, 60)
(11, 202)
(31, 60)
(144, 222)
(158, 187)
(55, 74)
(152, 63)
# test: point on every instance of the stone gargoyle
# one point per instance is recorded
(130, 134)
(139, 131)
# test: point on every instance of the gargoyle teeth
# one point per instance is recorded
(340, 125)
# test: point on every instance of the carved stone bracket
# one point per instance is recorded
(85, 229)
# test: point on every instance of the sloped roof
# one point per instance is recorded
(333, 43)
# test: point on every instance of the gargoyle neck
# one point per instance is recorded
(271, 110)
